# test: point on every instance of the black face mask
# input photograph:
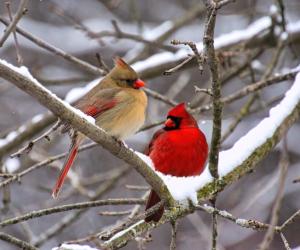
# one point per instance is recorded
(176, 121)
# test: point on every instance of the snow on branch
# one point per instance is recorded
(74, 247)
(233, 163)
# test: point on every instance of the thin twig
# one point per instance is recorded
(64, 208)
(17, 176)
(238, 118)
(178, 66)
(139, 188)
(39, 42)
(17, 47)
(253, 224)
(283, 167)
(285, 242)
(76, 215)
(11, 25)
(17, 242)
(114, 213)
(160, 97)
(174, 225)
(290, 220)
(31, 144)
(192, 45)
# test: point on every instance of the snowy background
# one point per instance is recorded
(251, 197)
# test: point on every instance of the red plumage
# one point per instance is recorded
(179, 149)
(64, 171)
(96, 109)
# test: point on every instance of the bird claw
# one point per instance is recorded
(120, 142)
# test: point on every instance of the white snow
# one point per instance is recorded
(37, 118)
(74, 247)
(12, 165)
(224, 213)
(241, 222)
(284, 36)
(241, 35)
(75, 93)
(9, 138)
(145, 158)
(293, 27)
(257, 65)
(183, 188)
(158, 31)
(273, 9)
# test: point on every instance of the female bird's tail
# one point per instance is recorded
(67, 165)
(152, 200)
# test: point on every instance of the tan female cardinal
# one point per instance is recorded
(118, 105)
(179, 149)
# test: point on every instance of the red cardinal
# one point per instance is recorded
(179, 149)
(118, 106)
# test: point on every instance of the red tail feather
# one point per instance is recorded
(64, 171)
(152, 200)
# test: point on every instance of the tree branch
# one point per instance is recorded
(17, 242)
(64, 208)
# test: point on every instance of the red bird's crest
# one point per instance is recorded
(187, 120)
(179, 111)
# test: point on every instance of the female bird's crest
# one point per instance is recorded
(124, 75)
(120, 62)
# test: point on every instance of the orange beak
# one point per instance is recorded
(139, 84)
(169, 123)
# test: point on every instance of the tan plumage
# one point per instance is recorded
(126, 118)
(118, 106)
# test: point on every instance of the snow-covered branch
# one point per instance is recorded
(234, 163)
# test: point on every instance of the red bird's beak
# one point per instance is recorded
(169, 123)
(139, 84)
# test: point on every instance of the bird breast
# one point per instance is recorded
(127, 117)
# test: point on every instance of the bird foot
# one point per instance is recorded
(120, 142)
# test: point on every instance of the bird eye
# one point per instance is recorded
(130, 81)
